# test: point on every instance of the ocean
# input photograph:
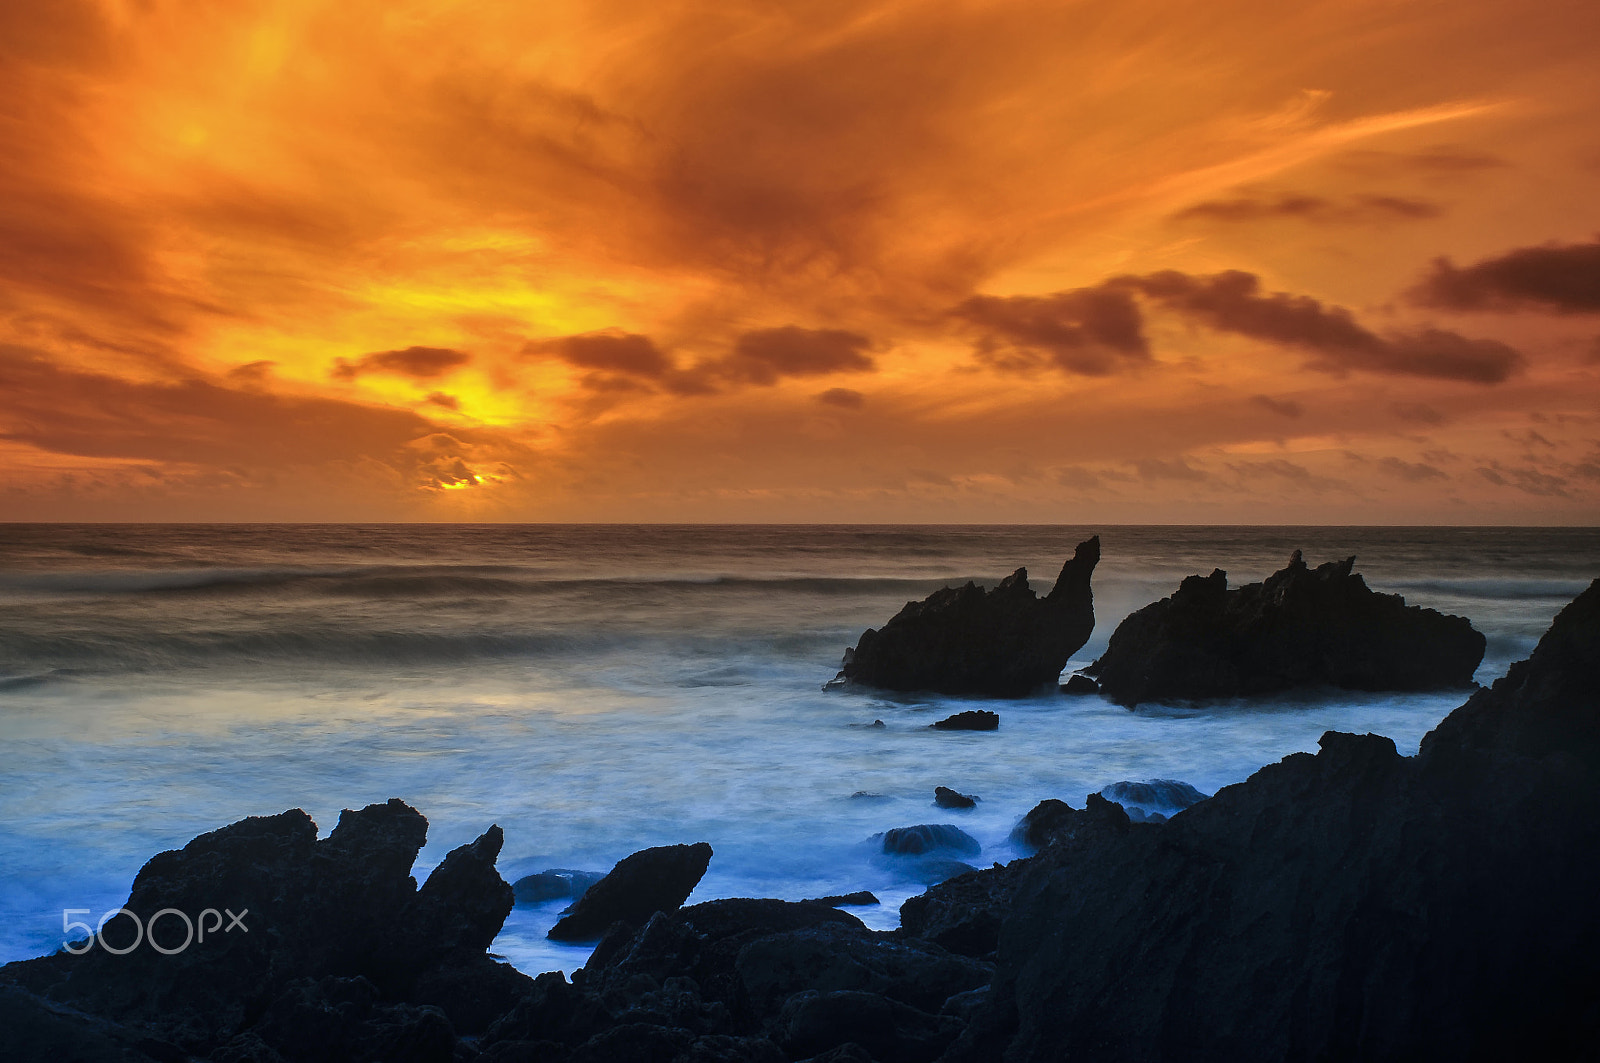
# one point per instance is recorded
(596, 690)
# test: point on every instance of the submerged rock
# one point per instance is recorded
(1438, 907)
(927, 838)
(554, 884)
(1080, 685)
(1155, 799)
(1301, 627)
(945, 797)
(1005, 642)
(970, 720)
(649, 881)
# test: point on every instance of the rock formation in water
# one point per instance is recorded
(1005, 642)
(970, 720)
(649, 881)
(1301, 627)
(945, 797)
(1354, 904)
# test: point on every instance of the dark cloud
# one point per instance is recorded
(1093, 331)
(1233, 301)
(1288, 470)
(449, 402)
(842, 397)
(421, 363)
(1411, 471)
(1526, 479)
(1416, 412)
(764, 355)
(1315, 209)
(611, 350)
(1442, 160)
(194, 421)
(1176, 469)
(1077, 476)
(1564, 278)
(1281, 407)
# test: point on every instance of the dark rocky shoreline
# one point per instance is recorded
(1354, 904)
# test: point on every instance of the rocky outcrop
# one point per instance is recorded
(927, 838)
(744, 980)
(1301, 627)
(1004, 642)
(649, 881)
(970, 720)
(1354, 904)
(331, 927)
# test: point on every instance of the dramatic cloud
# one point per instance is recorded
(612, 350)
(1092, 331)
(1315, 209)
(195, 421)
(420, 363)
(1564, 278)
(1416, 413)
(1233, 301)
(764, 355)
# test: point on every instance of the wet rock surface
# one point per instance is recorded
(945, 797)
(970, 720)
(1004, 642)
(1300, 627)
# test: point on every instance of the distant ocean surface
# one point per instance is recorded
(596, 690)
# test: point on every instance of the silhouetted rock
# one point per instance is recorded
(945, 797)
(970, 720)
(554, 884)
(927, 838)
(1439, 907)
(649, 881)
(1079, 685)
(1005, 642)
(1301, 627)
(332, 944)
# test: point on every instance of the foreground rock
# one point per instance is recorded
(1005, 642)
(1354, 904)
(649, 881)
(1301, 627)
(945, 797)
(744, 980)
(332, 927)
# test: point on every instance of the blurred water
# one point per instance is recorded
(595, 690)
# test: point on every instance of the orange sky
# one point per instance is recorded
(1108, 261)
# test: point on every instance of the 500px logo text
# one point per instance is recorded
(193, 929)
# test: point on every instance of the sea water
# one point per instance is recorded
(596, 690)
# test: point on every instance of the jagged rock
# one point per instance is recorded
(1355, 904)
(652, 880)
(945, 797)
(1154, 800)
(858, 898)
(554, 884)
(1301, 627)
(927, 838)
(1043, 821)
(970, 720)
(1078, 685)
(1006, 642)
(326, 929)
